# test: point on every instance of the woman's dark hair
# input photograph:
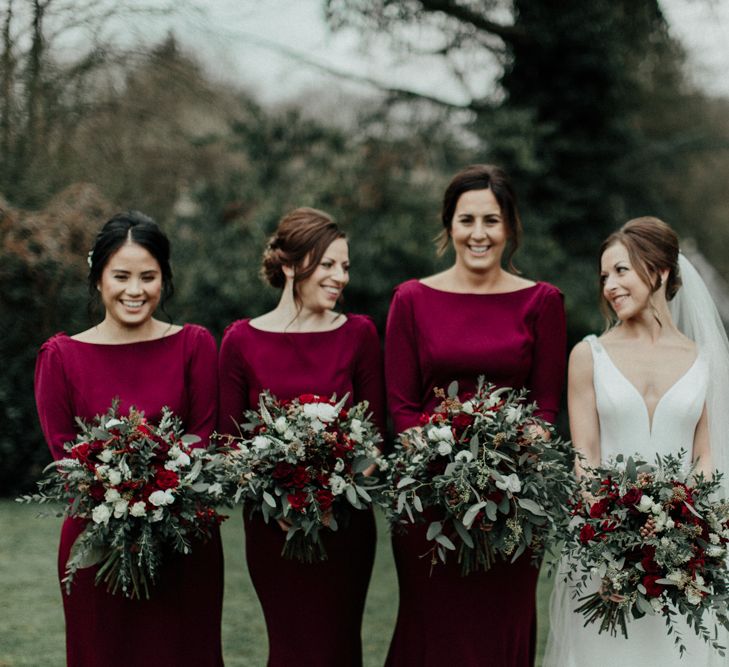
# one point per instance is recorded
(131, 227)
(482, 177)
(652, 247)
(300, 241)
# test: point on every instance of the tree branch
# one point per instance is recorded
(509, 33)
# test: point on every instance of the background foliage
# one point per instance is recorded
(591, 113)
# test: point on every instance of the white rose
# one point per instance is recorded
(289, 435)
(174, 452)
(513, 413)
(337, 484)
(101, 514)
(112, 495)
(645, 504)
(444, 448)
(339, 465)
(467, 407)
(693, 595)
(510, 483)
(441, 434)
(356, 430)
(157, 515)
(261, 443)
(106, 455)
(160, 498)
(115, 477)
(281, 425)
(320, 412)
(464, 456)
(138, 509)
(215, 489)
(120, 507)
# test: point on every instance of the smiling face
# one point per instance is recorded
(322, 289)
(131, 286)
(478, 231)
(622, 287)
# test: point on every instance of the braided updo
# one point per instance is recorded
(300, 241)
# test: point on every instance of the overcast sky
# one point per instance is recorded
(230, 37)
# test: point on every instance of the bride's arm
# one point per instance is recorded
(584, 422)
(702, 449)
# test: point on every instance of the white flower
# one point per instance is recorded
(339, 465)
(157, 515)
(289, 435)
(441, 434)
(656, 604)
(112, 495)
(714, 538)
(215, 489)
(281, 425)
(101, 514)
(464, 456)
(715, 551)
(513, 413)
(337, 484)
(115, 476)
(645, 504)
(138, 509)
(693, 595)
(261, 443)
(106, 455)
(102, 470)
(120, 507)
(678, 577)
(178, 459)
(383, 464)
(670, 523)
(417, 458)
(510, 483)
(444, 448)
(467, 407)
(356, 430)
(320, 412)
(160, 498)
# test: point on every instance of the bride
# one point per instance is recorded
(655, 383)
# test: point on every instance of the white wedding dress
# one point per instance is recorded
(625, 428)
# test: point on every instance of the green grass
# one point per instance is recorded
(31, 624)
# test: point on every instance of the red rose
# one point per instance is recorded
(282, 471)
(97, 491)
(587, 533)
(599, 508)
(652, 589)
(298, 501)
(300, 478)
(167, 479)
(632, 497)
(325, 499)
(461, 422)
(81, 452)
(312, 398)
(424, 419)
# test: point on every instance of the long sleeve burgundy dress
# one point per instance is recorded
(516, 339)
(180, 623)
(313, 611)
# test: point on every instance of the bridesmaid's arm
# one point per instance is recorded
(702, 446)
(369, 381)
(584, 422)
(53, 400)
(549, 358)
(402, 366)
(202, 386)
(232, 383)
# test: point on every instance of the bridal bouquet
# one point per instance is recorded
(496, 478)
(143, 489)
(302, 462)
(657, 541)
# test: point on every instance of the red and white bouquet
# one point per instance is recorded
(144, 491)
(492, 478)
(657, 541)
(302, 461)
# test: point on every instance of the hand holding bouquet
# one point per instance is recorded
(143, 489)
(497, 477)
(657, 541)
(302, 462)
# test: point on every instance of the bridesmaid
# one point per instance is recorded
(473, 318)
(313, 611)
(149, 364)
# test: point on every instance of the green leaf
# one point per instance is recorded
(365, 496)
(475, 444)
(434, 529)
(491, 510)
(631, 471)
(269, 499)
(471, 513)
(442, 539)
(463, 534)
(417, 503)
(351, 495)
(453, 389)
(190, 438)
(518, 552)
(405, 481)
(530, 506)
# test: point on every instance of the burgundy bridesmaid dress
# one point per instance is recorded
(180, 624)
(516, 339)
(313, 611)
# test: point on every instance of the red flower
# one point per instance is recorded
(167, 479)
(298, 501)
(324, 498)
(653, 590)
(461, 422)
(424, 419)
(300, 478)
(81, 452)
(632, 497)
(282, 471)
(599, 508)
(313, 398)
(97, 491)
(649, 565)
(587, 533)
